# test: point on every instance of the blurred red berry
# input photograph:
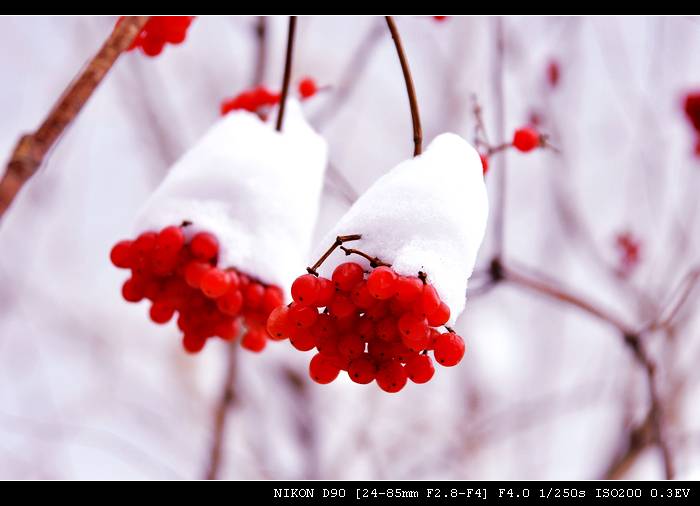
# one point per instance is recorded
(526, 139)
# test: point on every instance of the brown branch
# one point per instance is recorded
(339, 241)
(30, 151)
(287, 71)
(373, 261)
(553, 291)
(633, 341)
(410, 88)
(226, 400)
(261, 48)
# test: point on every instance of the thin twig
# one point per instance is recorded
(350, 77)
(30, 151)
(226, 400)
(555, 292)
(261, 50)
(373, 261)
(410, 88)
(287, 71)
(339, 241)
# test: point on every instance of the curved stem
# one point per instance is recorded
(410, 88)
(287, 71)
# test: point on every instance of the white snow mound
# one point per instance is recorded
(427, 214)
(256, 189)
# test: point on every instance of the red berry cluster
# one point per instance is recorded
(181, 276)
(691, 107)
(259, 98)
(160, 30)
(250, 100)
(526, 139)
(377, 327)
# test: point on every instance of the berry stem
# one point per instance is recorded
(410, 88)
(287, 71)
(339, 241)
(31, 149)
(373, 261)
(226, 400)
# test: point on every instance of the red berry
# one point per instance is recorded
(278, 324)
(341, 306)
(391, 376)
(121, 255)
(387, 330)
(302, 316)
(413, 327)
(307, 87)
(204, 246)
(553, 73)
(361, 297)
(347, 275)
(381, 283)
(254, 340)
(305, 289)
(215, 283)
(440, 316)
(272, 298)
(430, 300)
(362, 369)
(152, 46)
(351, 346)
(449, 349)
(303, 339)
(420, 369)
(526, 139)
(365, 329)
(132, 290)
(171, 239)
(193, 343)
(230, 303)
(144, 244)
(228, 330)
(484, 162)
(408, 288)
(401, 352)
(322, 369)
(327, 344)
(161, 312)
(691, 106)
(323, 328)
(253, 295)
(379, 350)
(195, 271)
(326, 292)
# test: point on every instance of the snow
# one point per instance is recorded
(256, 189)
(427, 214)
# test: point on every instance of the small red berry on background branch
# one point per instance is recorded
(30, 151)
(159, 31)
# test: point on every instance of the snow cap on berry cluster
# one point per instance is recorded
(427, 214)
(256, 189)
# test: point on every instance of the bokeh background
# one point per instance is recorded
(89, 388)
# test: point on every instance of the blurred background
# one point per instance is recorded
(90, 388)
